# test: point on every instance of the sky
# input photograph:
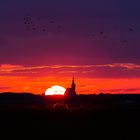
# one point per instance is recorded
(47, 42)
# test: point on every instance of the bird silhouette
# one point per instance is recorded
(130, 29)
(44, 30)
(125, 41)
(51, 21)
(101, 32)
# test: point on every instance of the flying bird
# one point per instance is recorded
(51, 21)
(125, 41)
(44, 30)
(101, 32)
(130, 29)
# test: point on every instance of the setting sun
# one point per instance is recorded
(55, 90)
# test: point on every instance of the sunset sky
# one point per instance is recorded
(95, 41)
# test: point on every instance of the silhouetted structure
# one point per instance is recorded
(71, 92)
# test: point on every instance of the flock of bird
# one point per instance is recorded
(103, 35)
(34, 24)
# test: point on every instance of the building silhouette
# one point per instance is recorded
(71, 92)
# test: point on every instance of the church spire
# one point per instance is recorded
(73, 84)
(73, 81)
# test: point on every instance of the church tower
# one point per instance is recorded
(71, 92)
(73, 85)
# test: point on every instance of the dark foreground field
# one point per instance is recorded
(102, 117)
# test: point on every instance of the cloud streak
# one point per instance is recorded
(115, 70)
(11, 68)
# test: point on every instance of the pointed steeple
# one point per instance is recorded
(73, 81)
(73, 84)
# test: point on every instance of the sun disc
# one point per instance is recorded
(55, 90)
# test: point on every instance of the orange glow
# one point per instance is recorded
(55, 90)
(36, 79)
(37, 85)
